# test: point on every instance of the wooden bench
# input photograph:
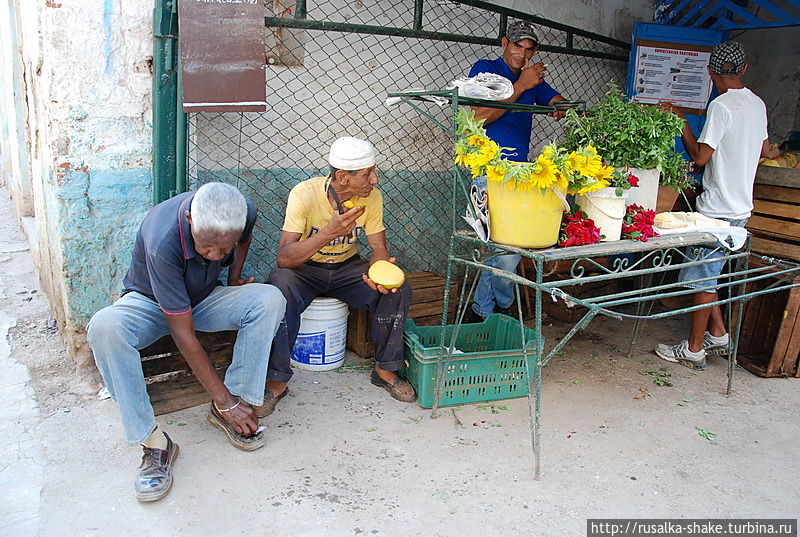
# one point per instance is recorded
(170, 382)
(427, 302)
(770, 339)
(172, 385)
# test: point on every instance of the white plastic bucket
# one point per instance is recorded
(646, 194)
(322, 336)
(606, 209)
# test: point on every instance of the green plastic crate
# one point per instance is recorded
(492, 366)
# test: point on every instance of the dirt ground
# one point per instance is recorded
(342, 458)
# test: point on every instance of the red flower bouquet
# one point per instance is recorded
(577, 230)
(638, 222)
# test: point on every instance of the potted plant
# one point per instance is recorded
(635, 136)
(526, 199)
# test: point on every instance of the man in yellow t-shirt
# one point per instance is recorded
(317, 257)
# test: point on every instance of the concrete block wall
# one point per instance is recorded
(85, 68)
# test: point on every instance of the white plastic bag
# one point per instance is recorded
(484, 86)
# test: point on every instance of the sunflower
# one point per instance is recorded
(495, 173)
(545, 176)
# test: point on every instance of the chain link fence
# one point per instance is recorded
(323, 84)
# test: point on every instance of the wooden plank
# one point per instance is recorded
(753, 363)
(787, 344)
(165, 345)
(220, 356)
(177, 394)
(782, 250)
(773, 307)
(777, 193)
(773, 208)
(781, 228)
(772, 175)
(751, 313)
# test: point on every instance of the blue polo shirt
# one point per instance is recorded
(165, 266)
(513, 129)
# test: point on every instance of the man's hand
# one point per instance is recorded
(242, 418)
(341, 225)
(240, 281)
(665, 106)
(381, 289)
(532, 76)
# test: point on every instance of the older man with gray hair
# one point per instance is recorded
(172, 287)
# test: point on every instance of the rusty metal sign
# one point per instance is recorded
(222, 55)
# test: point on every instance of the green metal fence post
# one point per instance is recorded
(165, 100)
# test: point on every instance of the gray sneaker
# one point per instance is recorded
(681, 354)
(716, 345)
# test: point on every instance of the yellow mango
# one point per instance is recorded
(386, 274)
(349, 204)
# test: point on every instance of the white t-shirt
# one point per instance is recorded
(736, 127)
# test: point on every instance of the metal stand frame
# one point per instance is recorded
(654, 257)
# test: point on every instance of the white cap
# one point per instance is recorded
(351, 154)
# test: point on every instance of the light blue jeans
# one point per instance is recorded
(493, 290)
(708, 270)
(117, 332)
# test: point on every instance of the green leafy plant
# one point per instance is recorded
(630, 134)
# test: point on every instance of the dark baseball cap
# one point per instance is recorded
(519, 30)
(727, 58)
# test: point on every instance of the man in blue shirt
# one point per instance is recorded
(172, 287)
(511, 130)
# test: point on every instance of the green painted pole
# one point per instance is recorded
(165, 95)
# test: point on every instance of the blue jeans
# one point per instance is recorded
(493, 290)
(117, 332)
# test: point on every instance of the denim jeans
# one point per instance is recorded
(117, 332)
(494, 290)
(708, 270)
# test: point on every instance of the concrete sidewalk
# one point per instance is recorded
(344, 459)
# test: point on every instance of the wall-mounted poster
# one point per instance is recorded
(673, 72)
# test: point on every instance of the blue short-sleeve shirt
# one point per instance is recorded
(165, 266)
(513, 129)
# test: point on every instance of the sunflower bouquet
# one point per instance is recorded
(579, 172)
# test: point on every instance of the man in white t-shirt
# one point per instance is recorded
(733, 138)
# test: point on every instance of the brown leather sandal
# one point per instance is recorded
(270, 402)
(399, 389)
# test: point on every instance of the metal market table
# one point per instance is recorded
(648, 262)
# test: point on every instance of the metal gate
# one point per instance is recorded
(330, 67)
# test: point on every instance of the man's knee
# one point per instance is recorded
(269, 297)
(103, 325)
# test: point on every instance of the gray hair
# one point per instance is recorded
(219, 208)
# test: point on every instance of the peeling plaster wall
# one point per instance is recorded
(774, 75)
(86, 69)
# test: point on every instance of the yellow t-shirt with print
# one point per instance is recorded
(308, 211)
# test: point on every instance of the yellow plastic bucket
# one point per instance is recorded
(524, 218)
